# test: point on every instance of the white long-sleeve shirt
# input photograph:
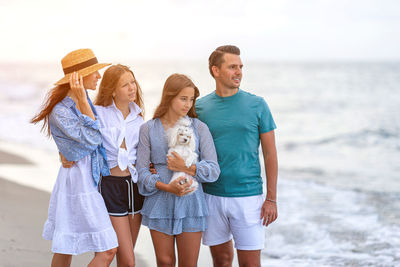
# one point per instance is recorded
(114, 129)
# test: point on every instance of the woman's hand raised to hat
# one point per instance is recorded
(76, 84)
(78, 94)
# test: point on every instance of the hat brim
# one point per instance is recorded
(84, 72)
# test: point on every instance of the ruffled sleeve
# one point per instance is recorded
(207, 169)
(81, 128)
(146, 180)
(75, 134)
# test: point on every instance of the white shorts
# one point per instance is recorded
(235, 216)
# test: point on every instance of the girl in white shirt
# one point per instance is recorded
(120, 109)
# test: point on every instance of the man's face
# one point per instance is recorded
(230, 73)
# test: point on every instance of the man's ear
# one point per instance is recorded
(215, 71)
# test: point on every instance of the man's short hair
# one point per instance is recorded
(217, 57)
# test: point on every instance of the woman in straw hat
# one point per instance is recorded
(77, 220)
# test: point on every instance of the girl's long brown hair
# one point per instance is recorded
(53, 97)
(109, 83)
(172, 87)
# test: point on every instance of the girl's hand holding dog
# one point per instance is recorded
(177, 164)
(178, 187)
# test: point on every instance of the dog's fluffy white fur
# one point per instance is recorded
(181, 139)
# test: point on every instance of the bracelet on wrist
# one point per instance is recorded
(271, 200)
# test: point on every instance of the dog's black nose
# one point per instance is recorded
(185, 140)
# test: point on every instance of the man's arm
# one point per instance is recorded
(269, 211)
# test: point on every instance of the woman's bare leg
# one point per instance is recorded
(103, 259)
(61, 260)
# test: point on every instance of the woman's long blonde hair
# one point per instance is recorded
(109, 83)
(172, 87)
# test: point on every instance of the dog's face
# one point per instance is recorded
(184, 135)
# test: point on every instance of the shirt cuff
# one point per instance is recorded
(89, 122)
(196, 175)
(151, 182)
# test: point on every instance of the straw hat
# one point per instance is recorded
(83, 61)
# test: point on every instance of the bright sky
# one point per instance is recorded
(299, 30)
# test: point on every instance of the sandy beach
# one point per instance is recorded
(23, 211)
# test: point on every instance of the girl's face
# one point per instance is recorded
(90, 81)
(183, 102)
(126, 88)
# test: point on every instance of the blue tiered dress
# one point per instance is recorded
(163, 211)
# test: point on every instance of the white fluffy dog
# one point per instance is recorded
(181, 139)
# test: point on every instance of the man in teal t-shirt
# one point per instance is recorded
(238, 121)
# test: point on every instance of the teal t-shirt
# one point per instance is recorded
(235, 123)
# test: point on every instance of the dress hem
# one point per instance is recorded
(79, 243)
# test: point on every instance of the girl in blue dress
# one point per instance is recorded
(171, 214)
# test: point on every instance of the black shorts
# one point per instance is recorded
(121, 195)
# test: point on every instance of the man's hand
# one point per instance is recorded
(269, 212)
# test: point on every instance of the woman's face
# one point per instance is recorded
(183, 102)
(126, 89)
(90, 81)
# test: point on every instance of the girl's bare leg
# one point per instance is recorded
(164, 248)
(127, 229)
(135, 224)
(188, 245)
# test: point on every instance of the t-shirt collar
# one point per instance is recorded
(227, 97)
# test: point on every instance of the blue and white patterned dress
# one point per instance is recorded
(163, 211)
(78, 221)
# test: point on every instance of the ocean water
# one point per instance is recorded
(338, 141)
